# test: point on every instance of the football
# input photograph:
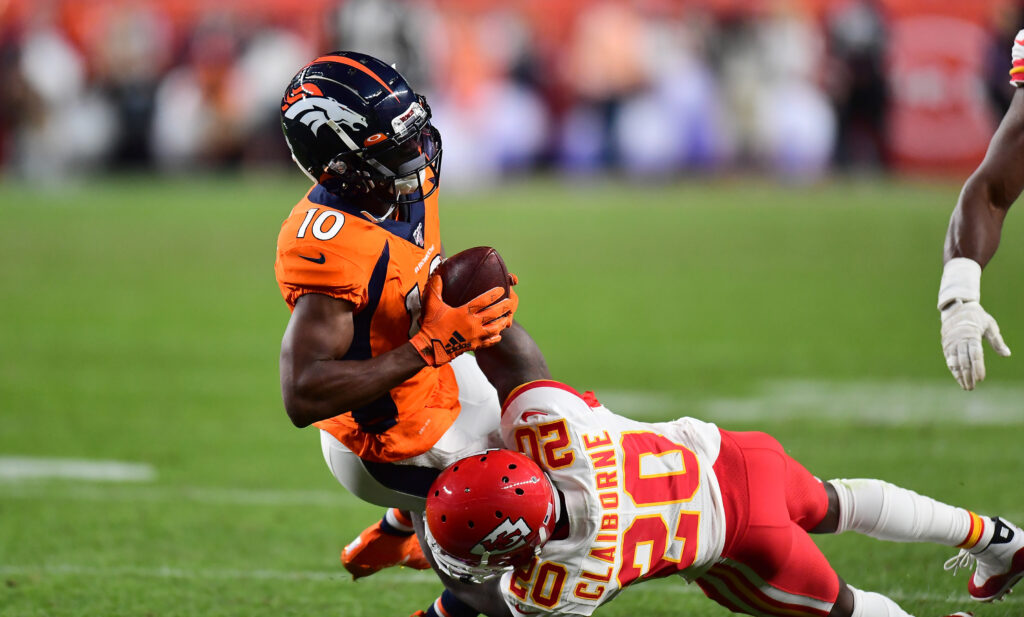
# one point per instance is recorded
(469, 273)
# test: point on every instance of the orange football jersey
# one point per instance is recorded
(328, 246)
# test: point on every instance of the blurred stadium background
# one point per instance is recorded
(727, 209)
(792, 88)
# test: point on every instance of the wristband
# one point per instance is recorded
(961, 280)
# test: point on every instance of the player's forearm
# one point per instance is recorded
(977, 221)
(976, 225)
(513, 361)
(325, 388)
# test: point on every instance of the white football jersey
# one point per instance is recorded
(642, 499)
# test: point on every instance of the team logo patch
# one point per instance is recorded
(315, 112)
(417, 235)
(504, 538)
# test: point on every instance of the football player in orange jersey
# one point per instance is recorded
(372, 356)
(973, 237)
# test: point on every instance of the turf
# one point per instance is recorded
(141, 323)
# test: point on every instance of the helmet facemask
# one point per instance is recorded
(468, 571)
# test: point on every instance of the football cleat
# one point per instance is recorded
(957, 614)
(375, 550)
(1000, 565)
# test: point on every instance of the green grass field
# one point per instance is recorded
(141, 321)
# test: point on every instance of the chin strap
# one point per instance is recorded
(383, 217)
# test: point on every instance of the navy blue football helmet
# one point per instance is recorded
(354, 125)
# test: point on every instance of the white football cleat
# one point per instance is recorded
(1000, 563)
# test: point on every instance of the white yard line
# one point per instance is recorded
(901, 402)
(21, 467)
(394, 575)
(203, 495)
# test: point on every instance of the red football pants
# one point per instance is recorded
(769, 566)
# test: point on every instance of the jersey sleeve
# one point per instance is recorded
(1017, 56)
(307, 271)
(337, 261)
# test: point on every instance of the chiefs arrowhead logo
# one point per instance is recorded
(504, 538)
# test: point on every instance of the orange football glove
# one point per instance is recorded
(446, 331)
(513, 280)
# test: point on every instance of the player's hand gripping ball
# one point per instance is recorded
(468, 302)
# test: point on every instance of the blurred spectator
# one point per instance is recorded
(130, 49)
(1008, 22)
(393, 30)
(491, 121)
(794, 124)
(198, 119)
(676, 123)
(604, 66)
(68, 126)
(271, 56)
(16, 108)
(857, 42)
(652, 88)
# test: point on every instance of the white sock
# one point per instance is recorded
(871, 604)
(398, 520)
(881, 510)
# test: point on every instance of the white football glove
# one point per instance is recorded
(965, 322)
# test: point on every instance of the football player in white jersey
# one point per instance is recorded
(585, 502)
(973, 237)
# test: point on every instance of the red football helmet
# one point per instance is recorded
(489, 512)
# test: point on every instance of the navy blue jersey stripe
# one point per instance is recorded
(379, 415)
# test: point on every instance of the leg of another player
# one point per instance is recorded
(887, 512)
(853, 602)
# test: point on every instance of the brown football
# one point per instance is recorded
(469, 273)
